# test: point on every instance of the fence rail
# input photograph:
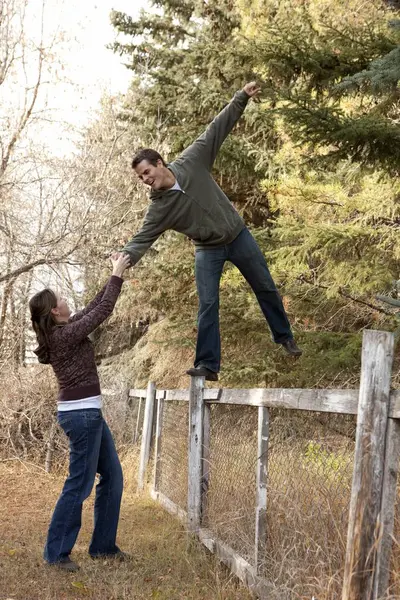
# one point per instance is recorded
(317, 400)
(243, 493)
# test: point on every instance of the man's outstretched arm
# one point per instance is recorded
(206, 147)
(150, 231)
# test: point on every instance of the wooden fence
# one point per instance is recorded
(375, 469)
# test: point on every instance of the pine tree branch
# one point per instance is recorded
(303, 279)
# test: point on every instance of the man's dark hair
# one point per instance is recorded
(147, 154)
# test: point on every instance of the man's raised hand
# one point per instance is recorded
(252, 89)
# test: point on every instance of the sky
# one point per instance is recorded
(82, 71)
(86, 68)
(89, 64)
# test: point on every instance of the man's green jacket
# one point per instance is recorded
(201, 210)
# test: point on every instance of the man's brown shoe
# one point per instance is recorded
(203, 372)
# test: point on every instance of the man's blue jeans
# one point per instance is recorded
(245, 254)
(92, 451)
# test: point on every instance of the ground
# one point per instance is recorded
(166, 565)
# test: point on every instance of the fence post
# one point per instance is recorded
(146, 434)
(365, 506)
(136, 434)
(261, 494)
(153, 426)
(157, 450)
(388, 503)
(196, 416)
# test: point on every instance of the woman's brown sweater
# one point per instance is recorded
(71, 351)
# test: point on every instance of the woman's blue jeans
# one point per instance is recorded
(92, 450)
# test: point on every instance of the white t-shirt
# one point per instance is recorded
(176, 186)
(91, 402)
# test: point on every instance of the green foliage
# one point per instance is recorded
(381, 76)
(187, 63)
(328, 357)
(332, 52)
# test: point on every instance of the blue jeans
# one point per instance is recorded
(245, 254)
(92, 451)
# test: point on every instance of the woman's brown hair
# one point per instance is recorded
(43, 321)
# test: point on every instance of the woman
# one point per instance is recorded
(64, 343)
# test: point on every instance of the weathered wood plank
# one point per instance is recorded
(261, 489)
(394, 405)
(177, 395)
(212, 393)
(260, 588)
(146, 434)
(153, 424)
(196, 415)
(388, 503)
(324, 400)
(365, 505)
(137, 393)
(157, 449)
(340, 401)
(238, 564)
(169, 505)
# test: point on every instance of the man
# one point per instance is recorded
(185, 198)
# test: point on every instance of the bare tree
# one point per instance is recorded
(36, 204)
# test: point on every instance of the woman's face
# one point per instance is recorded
(61, 311)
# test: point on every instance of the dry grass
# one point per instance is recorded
(155, 357)
(310, 464)
(27, 407)
(165, 565)
(308, 494)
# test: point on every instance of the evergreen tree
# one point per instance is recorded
(334, 77)
(306, 166)
(333, 92)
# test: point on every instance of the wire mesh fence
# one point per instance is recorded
(310, 466)
(135, 418)
(394, 583)
(231, 497)
(173, 464)
(310, 463)
(271, 489)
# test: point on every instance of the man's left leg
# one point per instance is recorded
(245, 254)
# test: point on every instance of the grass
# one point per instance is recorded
(166, 565)
(304, 554)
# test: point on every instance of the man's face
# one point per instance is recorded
(151, 175)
